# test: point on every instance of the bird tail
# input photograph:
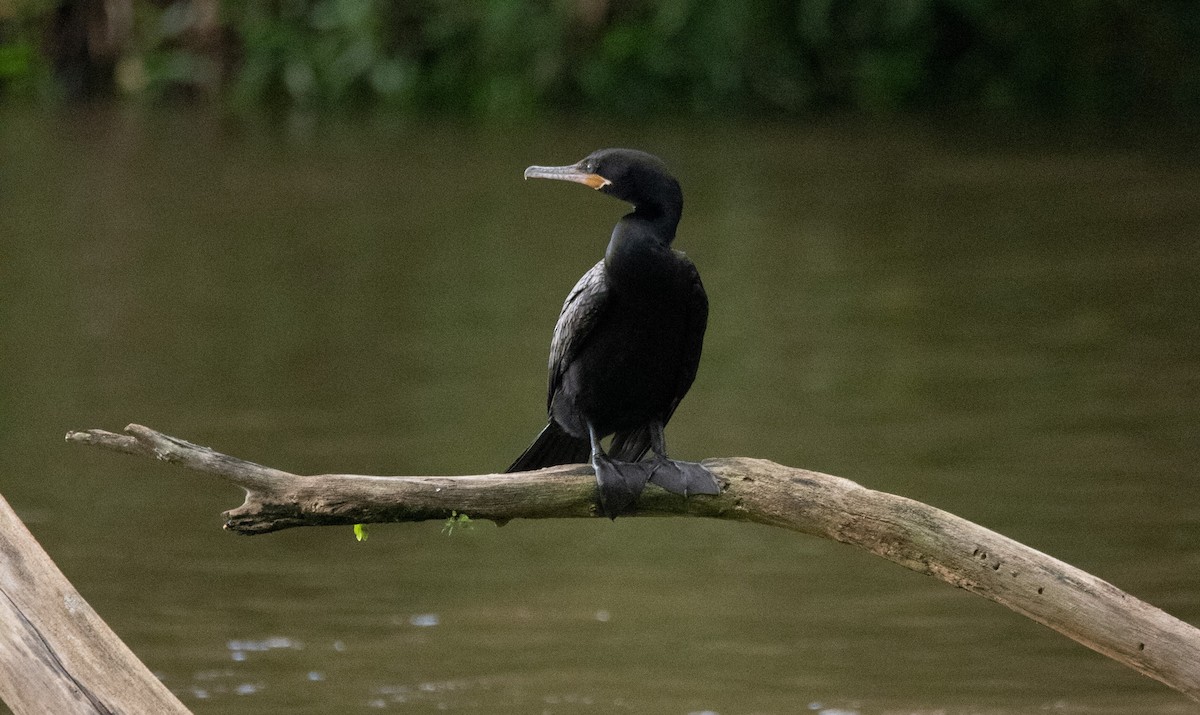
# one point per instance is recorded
(553, 446)
(630, 446)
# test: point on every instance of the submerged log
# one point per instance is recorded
(57, 657)
(910, 533)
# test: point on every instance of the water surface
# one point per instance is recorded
(1001, 324)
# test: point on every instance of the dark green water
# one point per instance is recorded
(1003, 326)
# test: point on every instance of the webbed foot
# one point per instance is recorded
(620, 483)
(683, 478)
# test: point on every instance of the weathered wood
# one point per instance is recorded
(910, 533)
(57, 656)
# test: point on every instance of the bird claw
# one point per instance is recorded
(683, 478)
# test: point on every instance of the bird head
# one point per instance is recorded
(633, 176)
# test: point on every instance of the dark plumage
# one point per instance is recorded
(628, 341)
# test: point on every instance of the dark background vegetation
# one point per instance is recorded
(517, 58)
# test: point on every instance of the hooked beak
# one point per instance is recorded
(567, 173)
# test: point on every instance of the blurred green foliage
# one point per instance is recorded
(22, 69)
(686, 57)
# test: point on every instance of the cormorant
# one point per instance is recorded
(627, 343)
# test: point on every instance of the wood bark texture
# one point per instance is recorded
(57, 657)
(910, 533)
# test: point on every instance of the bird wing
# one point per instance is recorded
(693, 337)
(580, 312)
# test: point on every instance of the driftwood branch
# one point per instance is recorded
(910, 533)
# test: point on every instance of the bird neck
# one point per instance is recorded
(639, 251)
(638, 254)
(654, 222)
(661, 213)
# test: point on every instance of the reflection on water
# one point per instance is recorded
(1003, 328)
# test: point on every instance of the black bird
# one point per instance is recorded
(627, 343)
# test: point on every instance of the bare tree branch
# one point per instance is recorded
(910, 533)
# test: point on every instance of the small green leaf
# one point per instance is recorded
(457, 521)
(360, 532)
